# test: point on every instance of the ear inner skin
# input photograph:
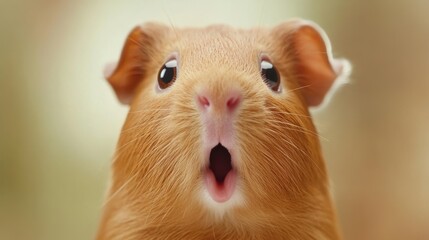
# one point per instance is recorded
(313, 65)
(136, 58)
(309, 47)
(128, 72)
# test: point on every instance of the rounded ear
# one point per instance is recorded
(142, 43)
(307, 50)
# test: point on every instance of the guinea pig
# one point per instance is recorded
(219, 142)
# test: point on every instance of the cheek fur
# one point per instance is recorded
(157, 156)
(285, 162)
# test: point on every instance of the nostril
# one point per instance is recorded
(233, 102)
(203, 101)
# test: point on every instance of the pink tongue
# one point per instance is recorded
(220, 192)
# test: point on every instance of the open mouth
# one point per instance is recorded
(220, 175)
(220, 163)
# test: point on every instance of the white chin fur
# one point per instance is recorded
(219, 209)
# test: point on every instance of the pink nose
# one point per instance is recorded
(230, 102)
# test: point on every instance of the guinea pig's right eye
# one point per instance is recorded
(270, 75)
(167, 74)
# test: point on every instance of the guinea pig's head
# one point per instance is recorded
(219, 126)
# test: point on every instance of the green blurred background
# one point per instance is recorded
(59, 120)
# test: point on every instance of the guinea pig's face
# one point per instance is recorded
(219, 125)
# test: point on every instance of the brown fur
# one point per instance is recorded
(156, 174)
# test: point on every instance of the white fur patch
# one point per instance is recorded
(219, 209)
(109, 69)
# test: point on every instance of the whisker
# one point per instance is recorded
(287, 141)
(119, 190)
(299, 128)
(277, 110)
(150, 110)
(298, 88)
(169, 20)
(295, 127)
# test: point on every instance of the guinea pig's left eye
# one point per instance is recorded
(167, 74)
(270, 75)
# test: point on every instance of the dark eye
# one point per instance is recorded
(270, 75)
(167, 74)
